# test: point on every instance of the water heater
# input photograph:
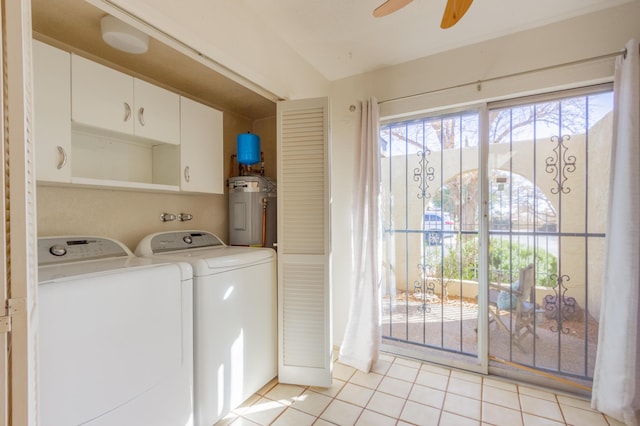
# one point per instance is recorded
(252, 211)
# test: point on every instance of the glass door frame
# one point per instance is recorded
(482, 356)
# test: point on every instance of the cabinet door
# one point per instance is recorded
(52, 112)
(101, 97)
(157, 113)
(201, 148)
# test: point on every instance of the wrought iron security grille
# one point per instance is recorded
(427, 222)
(547, 183)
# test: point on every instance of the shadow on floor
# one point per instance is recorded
(451, 325)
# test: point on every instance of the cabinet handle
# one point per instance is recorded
(127, 112)
(63, 157)
(186, 174)
(141, 115)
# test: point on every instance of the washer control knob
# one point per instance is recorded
(57, 250)
(187, 239)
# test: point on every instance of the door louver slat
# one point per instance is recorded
(303, 243)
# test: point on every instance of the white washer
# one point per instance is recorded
(115, 341)
(235, 323)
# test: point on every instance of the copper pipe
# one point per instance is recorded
(264, 222)
(261, 163)
(231, 166)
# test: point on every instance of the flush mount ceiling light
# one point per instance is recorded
(123, 36)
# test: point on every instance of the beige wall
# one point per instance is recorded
(237, 38)
(130, 215)
(124, 215)
(584, 37)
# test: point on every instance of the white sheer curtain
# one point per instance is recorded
(616, 384)
(362, 335)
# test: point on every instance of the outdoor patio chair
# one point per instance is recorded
(518, 302)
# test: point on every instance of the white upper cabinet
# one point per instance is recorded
(52, 113)
(101, 97)
(108, 99)
(98, 127)
(201, 148)
(156, 112)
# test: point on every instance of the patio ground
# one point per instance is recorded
(451, 324)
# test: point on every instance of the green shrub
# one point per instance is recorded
(504, 258)
(521, 255)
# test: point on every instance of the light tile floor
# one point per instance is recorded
(403, 392)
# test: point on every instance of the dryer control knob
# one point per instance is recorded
(57, 250)
(187, 239)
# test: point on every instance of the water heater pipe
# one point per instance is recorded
(232, 167)
(264, 222)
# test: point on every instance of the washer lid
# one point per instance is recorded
(71, 256)
(57, 250)
(59, 272)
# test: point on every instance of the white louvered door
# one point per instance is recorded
(19, 236)
(304, 246)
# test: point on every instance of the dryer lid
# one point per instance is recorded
(163, 242)
(231, 258)
(203, 250)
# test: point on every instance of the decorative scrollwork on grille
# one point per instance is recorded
(423, 174)
(559, 307)
(561, 164)
(423, 289)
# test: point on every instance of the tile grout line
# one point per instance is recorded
(377, 389)
(287, 406)
(374, 391)
(482, 400)
(555, 398)
(404, 404)
(446, 392)
(333, 398)
(520, 404)
(369, 400)
(518, 394)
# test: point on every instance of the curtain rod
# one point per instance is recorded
(517, 74)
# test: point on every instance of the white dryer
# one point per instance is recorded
(235, 323)
(115, 341)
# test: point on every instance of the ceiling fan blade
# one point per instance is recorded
(389, 7)
(454, 10)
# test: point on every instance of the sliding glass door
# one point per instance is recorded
(430, 202)
(454, 256)
(548, 190)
